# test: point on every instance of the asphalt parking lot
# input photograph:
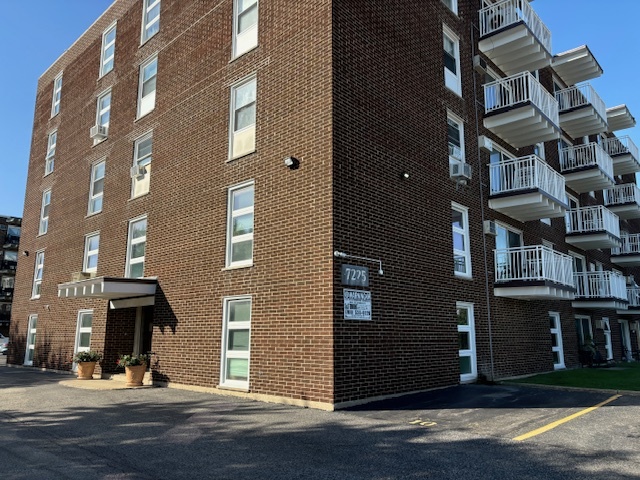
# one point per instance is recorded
(52, 431)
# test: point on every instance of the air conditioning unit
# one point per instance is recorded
(489, 227)
(460, 172)
(485, 143)
(455, 152)
(99, 132)
(479, 64)
(77, 276)
(630, 280)
(137, 171)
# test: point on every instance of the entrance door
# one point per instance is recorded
(467, 342)
(83, 333)
(556, 340)
(606, 327)
(625, 337)
(31, 340)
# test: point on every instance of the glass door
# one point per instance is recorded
(606, 327)
(83, 333)
(467, 342)
(31, 340)
(556, 340)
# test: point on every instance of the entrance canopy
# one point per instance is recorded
(121, 292)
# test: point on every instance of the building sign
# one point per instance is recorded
(357, 304)
(355, 276)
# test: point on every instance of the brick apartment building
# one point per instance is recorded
(322, 202)
(9, 241)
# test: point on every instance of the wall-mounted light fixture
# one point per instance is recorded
(405, 175)
(25, 253)
(292, 163)
(355, 257)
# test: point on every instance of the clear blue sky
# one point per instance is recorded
(36, 32)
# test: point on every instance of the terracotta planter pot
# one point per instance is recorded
(135, 375)
(85, 370)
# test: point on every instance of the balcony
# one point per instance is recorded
(602, 289)
(526, 189)
(628, 255)
(520, 111)
(6, 294)
(582, 111)
(586, 168)
(10, 242)
(623, 200)
(576, 65)
(633, 297)
(624, 154)
(513, 36)
(589, 228)
(532, 273)
(620, 118)
(8, 267)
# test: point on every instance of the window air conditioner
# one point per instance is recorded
(99, 132)
(460, 172)
(137, 171)
(77, 276)
(490, 228)
(455, 152)
(479, 64)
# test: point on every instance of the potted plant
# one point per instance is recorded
(134, 366)
(86, 362)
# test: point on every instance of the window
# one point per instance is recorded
(37, 275)
(57, 95)
(147, 86)
(141, 170)
(108, 50)
(451, 46)
(136, 248)
(466, 342)
(243, 118)
(103, 110)
(240, 226)
(452, 5)
(461, 247)
(245, 26)
(51, 152)
(44, 212)
(583, 327)
(7, 283)
(455, 138)
(556, 340)
(31, 340)
(83, 332)
(96, 189)
(234, 371)
(538, 150)
(150, 19)
(606, 329)
(91, 248)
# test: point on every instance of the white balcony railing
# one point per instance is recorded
(520, 88)
(593, 219)
(535, 262)
(600, 285)
(630, 245)
(526, 173)
(578, 96)
(620, 146)
(582, 156)
(633, 296)
(505, 13)
(623, 194)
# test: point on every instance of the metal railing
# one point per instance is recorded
(603, 284)
(620, 146)
(622, 194)
(505, 13)
(535, 262)
(581, 156)
(578, 96)
(526, 173)
(520, 88)
(630, 245)
(633, 296)
(592, 219)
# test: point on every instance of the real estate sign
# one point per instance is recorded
(357, 304)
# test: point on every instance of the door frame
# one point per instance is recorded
(79, 331)
(556, 331)
(625, 337)
(472, 351)
(33, 319)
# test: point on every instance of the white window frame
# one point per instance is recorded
(471, 352)
(147, 103)
(242, 141)
(79, 331)
(131, 242)
(246, 40)
(57, 95)
(38, 272)
(148, 23)
(581, 333)
(453, 118)
(141, 184)
(93, 195)
(107, 62)
(44, 212)
(52, 143)
(31, 346)
(239, 354)
(90, 253)
(556, 331)
(453, 7)
(452, 80)
(102, 110)
(466, 237)
(606, 330)
(231, 215)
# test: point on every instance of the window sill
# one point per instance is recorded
(98, 142)
(463, 276)
(233, 159)
(233, 59)
(138, 196)
(237, 267)
(35, 298)
(92, 214)
(41, 234)
(47, 174)
(458, 91)
(140, 117)
(233, 389)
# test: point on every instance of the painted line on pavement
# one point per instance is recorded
(557, 423)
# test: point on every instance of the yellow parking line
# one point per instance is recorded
(557, 423)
